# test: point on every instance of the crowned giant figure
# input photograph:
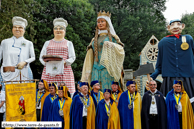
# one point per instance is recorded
(105, 54)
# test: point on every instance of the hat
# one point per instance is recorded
(175, 20)
(93, 83)
(53, 84)
(113, 82)
(177, 82)
(107, 90)
(83, 83)
(19, 21)
(60, 22)
(65, 89)
(130, 82)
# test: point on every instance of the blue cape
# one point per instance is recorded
(101, 115)
(76, 92)
(172, 112)
(161, 108)
(126, 115)
(54, 113)
(46, 108)
(76, 113)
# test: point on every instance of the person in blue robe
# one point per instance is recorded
(129, 107)
(48, 102)
(60, 110)
(82, 112)
(95, 93)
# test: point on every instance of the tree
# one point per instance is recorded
(22, 8)
(79, 14)
(188, 19)
(135, 21)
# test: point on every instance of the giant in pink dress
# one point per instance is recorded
(64, 49)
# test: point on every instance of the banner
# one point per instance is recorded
(20, 102)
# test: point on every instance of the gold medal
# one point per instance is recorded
(153, 102)
(184, 46)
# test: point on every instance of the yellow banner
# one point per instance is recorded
(20, 102)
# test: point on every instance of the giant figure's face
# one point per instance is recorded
(59, 31)
(176, 27)
(101, 24)
(18, 31)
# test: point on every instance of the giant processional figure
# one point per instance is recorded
(17, 53)
(105, 54)
(175, 59)
(57, 55)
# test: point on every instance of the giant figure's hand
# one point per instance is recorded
(21, 65)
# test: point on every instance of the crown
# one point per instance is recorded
(104, 14)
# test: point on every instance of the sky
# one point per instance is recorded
(176, 8)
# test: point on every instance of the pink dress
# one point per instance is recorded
(60, 49)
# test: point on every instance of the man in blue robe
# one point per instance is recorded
(107, 114)
(48, 102)
(129, 107)
(60, 110)
(95, 93)
(153, 113)
(82, 112)
(179, 109)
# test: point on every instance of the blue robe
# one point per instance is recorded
(76, 112)
(46, 108)
(126, 115)
(161, 109)
(172, 112)
(54, 113)
(101, 115)
(76, 92)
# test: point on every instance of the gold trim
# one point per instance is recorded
(103, 34)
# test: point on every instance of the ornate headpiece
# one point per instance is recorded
(104, 14)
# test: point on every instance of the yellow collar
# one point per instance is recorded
(103, 34)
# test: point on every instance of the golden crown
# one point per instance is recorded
(104, 14)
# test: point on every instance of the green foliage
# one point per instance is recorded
(22, 8)
(188, 19)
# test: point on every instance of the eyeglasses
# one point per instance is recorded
(19, 28)
(59, 28)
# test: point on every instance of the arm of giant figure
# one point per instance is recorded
(30, 59)
(71, 53)
(158, 63)
(43, 52)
